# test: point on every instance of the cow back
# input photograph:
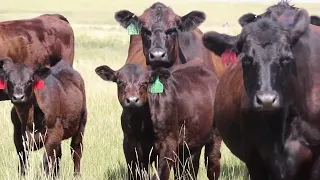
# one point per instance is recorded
(33, 41)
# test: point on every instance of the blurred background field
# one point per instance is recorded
(100, 40)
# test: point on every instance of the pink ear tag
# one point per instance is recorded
(2, 84)
(229, 57)
(39, 84)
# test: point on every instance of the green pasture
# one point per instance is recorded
(101, 41)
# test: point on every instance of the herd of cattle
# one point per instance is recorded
(180, 90)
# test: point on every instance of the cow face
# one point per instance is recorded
(264, 48)
(21, 80)
(132, 82)
(159, 31)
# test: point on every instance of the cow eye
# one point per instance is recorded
(121, 83)
(285, 61)
(143, 85)
(247, 60)
(145, 31)
(170, 31)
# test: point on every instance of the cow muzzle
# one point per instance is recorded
(266, 101)
(18, 98)
(132, 101)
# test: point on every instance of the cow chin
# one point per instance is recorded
(158, 64)
(132, 106)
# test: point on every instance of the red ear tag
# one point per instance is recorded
(229, 57)
(2, 84)
(39, 84)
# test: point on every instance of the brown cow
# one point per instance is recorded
(164, 33)
(267, 108)
(170, 120)
(49, 106)
(32, 41)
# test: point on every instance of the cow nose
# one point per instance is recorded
(157, 54)
(132, 100)
(18, 97)
(267, 100)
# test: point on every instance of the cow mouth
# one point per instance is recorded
(157, 64)
(18, 101)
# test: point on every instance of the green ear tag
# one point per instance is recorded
(133, 29)
(157, 86)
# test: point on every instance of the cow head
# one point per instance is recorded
(272, 12)
(264, 48)
(132, 82)
(21, 80)
(159, 31)
(282, 11)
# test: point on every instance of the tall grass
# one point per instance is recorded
(99, 40)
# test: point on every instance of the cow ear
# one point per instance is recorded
(41, 73)
(125, 17)
(5, 63)
(246, 19)
(299, 26)
(191, 21)
(106, 73)
(219, 43)
(315, 20)
(162, 73)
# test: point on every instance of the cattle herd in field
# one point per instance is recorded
(180, 90)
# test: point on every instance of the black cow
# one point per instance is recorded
(167, 39)
(267, 109)
(181, 115)
(49, 106)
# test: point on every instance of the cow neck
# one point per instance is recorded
(25, 112)
(276, 122)
(140, 118)
(181, 57)
(308, 74)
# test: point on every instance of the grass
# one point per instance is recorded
(99, 40)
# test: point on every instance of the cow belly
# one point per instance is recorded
(228, 122)
(72, 114)
(231, 134)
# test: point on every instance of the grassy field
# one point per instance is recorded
(100, 40)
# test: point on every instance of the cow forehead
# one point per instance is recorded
(133, 73)
(264, 32)
(20, 72)
(163, 17)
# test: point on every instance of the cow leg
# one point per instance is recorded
(133, 156)
(53, 148)
(166, 158)
(51, 160)
(257, 170)
(77, 145)
(212, 155)
(178, 168)
(18, 142)
(195, 158)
